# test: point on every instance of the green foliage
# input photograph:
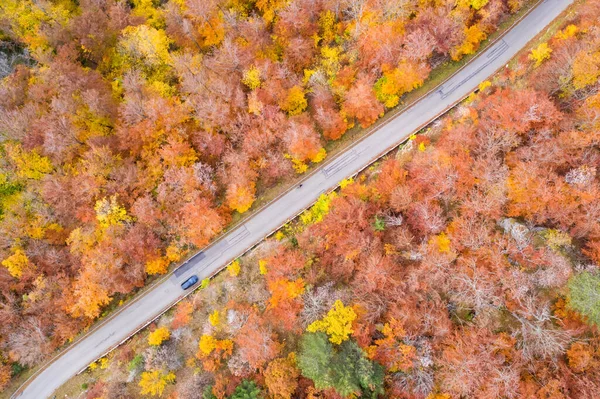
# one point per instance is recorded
(136, 362)
(379, 224)
(7, 190)
(84, 386)
(208, 393)
(17, 368)
(246, 390)
(314, 358)
(584, 296)
(346, 370)
(353, 372)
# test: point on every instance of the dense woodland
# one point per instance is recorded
(138, 128)
(465, 265)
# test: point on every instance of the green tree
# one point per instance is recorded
(584, 296)
(353, 372)
(314, 358)
(246, 390)
(208, 393)
(346, 369)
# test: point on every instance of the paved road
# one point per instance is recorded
(274, 215)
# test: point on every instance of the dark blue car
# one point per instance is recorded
(189, 282)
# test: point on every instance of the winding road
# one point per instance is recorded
(156, 300)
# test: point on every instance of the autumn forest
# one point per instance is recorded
(462, 265)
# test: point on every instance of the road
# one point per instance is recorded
(218, 255)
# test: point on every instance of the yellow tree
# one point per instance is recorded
(540, 54)
(337, 323)
(26, 19)
(234, 268)
(144, 46)
(394, 83)
(473, 36)
(16, 262)
(154, 382)
(251, 77)
(295, 102)
(158, 336)
(28, 164)
(158, 265)
(110, 213)
(586, 69)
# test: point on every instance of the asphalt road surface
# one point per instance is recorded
(148, 306)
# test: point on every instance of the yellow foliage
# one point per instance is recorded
(158, 265)
(473, 36)
(295, 102)
(319, 156)
(143, 45)
(241, 197)
(346, 182)
(213, 30)
(16, 262)
(279, 235)
(207, 344)
(251, 77)
(110, 213)
(234, 268)
(269, 8)
(104, 363)
(566, 33)
(442, 242)
(337, 323)
(154, 382)
(299, 166)
(151, 10)
(173, 253)
(475, 4)
(540, 53)
(556, 239)
(262, 266)
(586, 69)
(158, 336)
(26, 17)
(327, 25)
(394, 83)
(484, 85)
(421, 146)
(29, 164)
(316, 212)
(307, 75)
(214, 318)
(93, 366)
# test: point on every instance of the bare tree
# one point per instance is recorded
(537, 337)
(317, 301)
